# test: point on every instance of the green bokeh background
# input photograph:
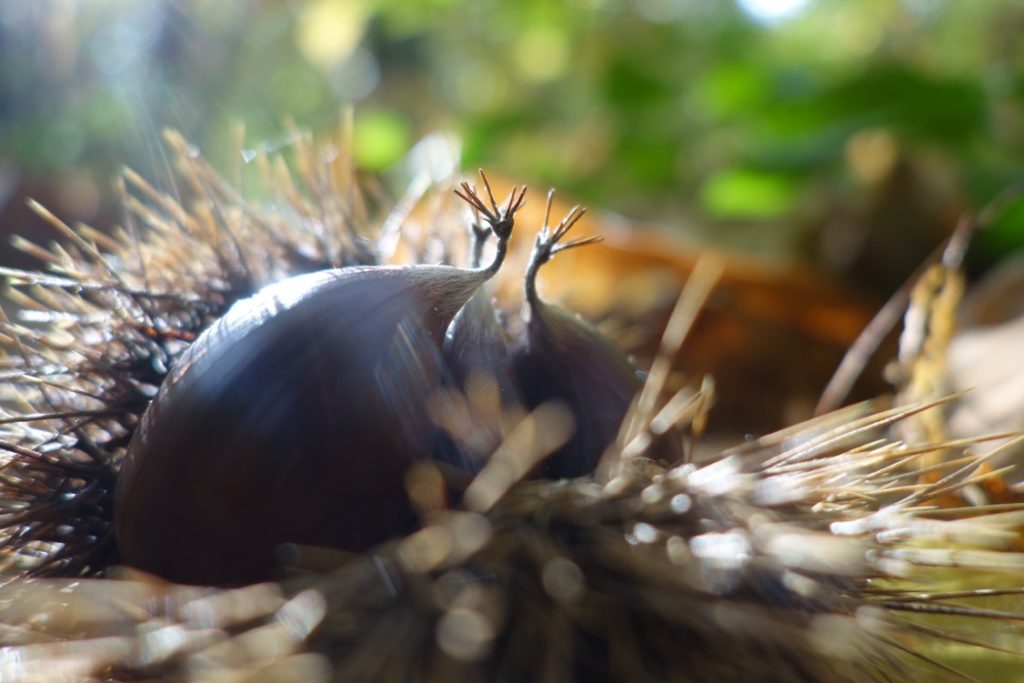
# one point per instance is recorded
(848, 134)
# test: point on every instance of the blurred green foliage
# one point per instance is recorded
(850, 132)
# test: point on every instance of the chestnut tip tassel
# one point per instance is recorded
(476, 349)
(562, 357)
(294, 418)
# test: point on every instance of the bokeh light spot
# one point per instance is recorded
(381, 137)
(771, 11)
(328, 31)
(871, 155)
(542, 53)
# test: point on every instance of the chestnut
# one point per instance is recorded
(293, 419)
(562, 357)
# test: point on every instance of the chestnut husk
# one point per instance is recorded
(564, 579)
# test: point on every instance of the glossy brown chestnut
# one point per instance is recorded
(562, 357)
(475, 342)
(476, 349)
(292, 420)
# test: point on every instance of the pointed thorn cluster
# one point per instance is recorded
(500, 219)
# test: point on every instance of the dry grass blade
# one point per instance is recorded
(538, 435)
(688, 306)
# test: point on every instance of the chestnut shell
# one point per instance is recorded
(291, 420)
(564, 358)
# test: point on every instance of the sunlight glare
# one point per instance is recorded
(772, 11)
